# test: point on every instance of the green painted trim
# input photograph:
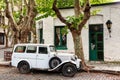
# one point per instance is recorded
(60, 47)
(96, 54)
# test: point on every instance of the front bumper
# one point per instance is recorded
(78, 64)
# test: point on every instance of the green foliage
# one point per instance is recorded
(64, 30)
(24, 11)
(44, 8)
(16, 15)
(100, 1)
(4, 26)
(75, 20)
(94, 12)
(70, 3)
(2, 4)
(65, 3)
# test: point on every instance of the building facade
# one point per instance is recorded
(100, 43)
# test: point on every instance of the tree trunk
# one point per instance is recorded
(24, 36)
(78, 47)
(15, 38)
(6, 44)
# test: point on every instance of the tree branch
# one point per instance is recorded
(10, 16)
(59, 14)
(26, 3)
(31, 14)
(77, 7)
(21, 13)
(86, 14)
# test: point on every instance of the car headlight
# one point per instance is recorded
(74, 58)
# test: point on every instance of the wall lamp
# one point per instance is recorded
(109, 25)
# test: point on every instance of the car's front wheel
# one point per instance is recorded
(69, 70)
(54, 62)
(24, 68)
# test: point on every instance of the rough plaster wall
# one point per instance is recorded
(48, 31)
(111, 45)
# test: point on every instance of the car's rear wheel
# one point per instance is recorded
(54, 62)
(69, 70)
(24, 67)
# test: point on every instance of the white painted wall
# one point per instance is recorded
(111, 45)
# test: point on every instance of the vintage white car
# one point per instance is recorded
(44, 57)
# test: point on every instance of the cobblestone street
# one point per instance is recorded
(10, 73)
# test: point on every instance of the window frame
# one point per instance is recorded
(20, 51)
(42, 52)
(2, 38)
(30, 51)
(60, 47)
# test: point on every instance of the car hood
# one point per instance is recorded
(65, 55)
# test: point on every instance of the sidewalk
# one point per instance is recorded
(105, 67)
(4, 63)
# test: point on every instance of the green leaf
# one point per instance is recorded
(94, 12)
(64, 30)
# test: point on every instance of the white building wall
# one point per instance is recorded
(111, 45)
(48, 30)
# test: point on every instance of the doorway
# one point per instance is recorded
(96, 42)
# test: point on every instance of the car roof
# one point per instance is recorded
(34, 44)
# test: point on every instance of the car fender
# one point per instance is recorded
(61, 64)
(24, 61)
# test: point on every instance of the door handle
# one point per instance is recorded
(92, 46)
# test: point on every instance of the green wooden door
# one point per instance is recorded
(96, 42)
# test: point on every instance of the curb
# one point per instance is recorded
(5, 64)
(107, 72)
(103, 71)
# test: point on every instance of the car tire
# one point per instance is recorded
(54, 62)
(24, 67)
(69, 70)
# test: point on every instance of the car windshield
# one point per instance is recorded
(52, 49)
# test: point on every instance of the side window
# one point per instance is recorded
(43, 50)
(20, 49)
(31, 49)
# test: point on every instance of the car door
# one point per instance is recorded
(42, 58)
(30, 56)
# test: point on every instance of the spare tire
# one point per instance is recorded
(54, 62)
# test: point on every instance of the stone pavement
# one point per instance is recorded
(104, 67)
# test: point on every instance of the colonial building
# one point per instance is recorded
(100, 41)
